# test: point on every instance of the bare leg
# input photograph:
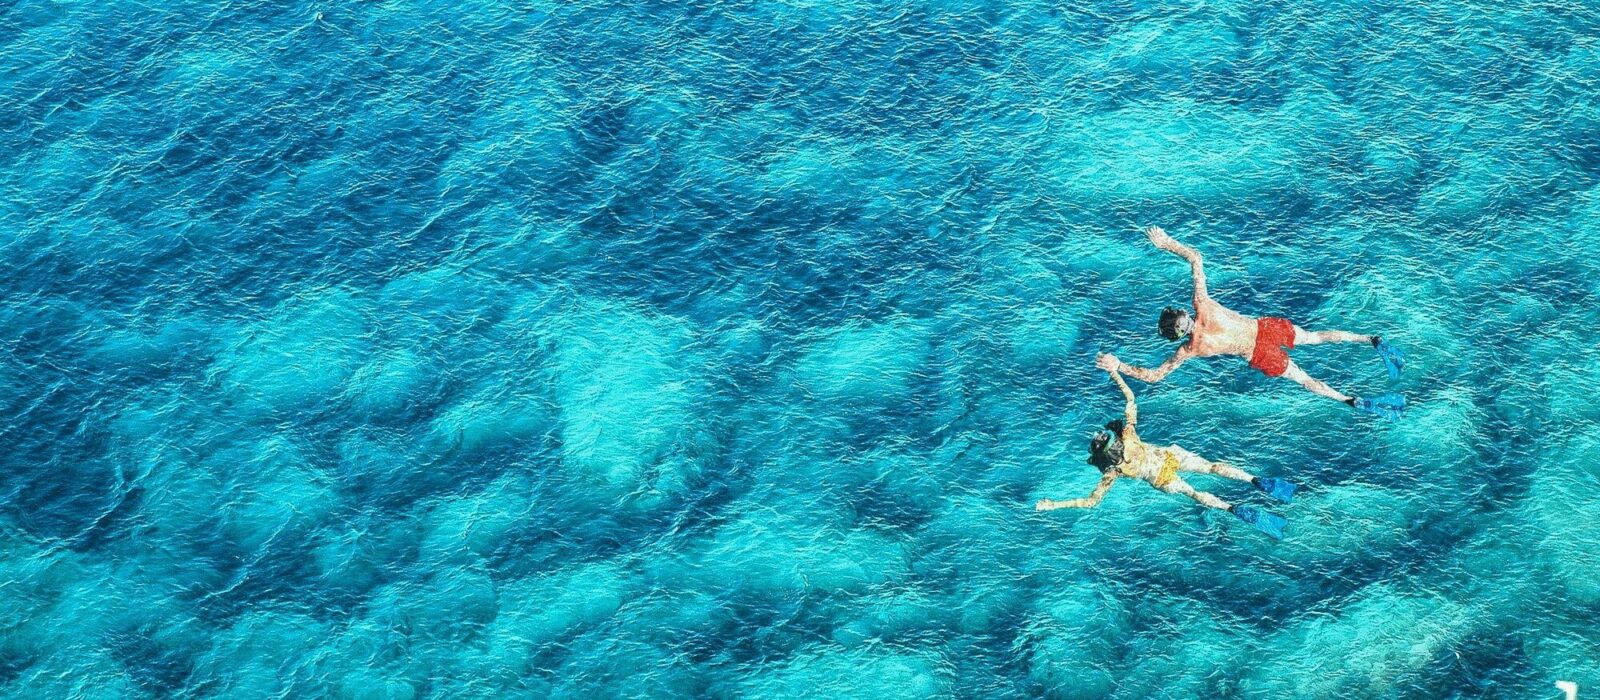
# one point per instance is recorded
(1299, 376)
(1305, 337)
(1191, 462)
(1182, 488)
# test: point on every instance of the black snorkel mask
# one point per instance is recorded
(1101, 448)
(1105, 449)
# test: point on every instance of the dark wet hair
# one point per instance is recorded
(1105, 453)
(1169, 322)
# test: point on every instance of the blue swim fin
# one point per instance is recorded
(1270, 523)
(1389, 406)
(1393, 359)
(1281, 489)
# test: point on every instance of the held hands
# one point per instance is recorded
(1108, 362)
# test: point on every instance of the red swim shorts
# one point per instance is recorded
(1274, 336)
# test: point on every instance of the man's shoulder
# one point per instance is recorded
(1193, 351)
(1217, 342)
(1203, 302)
(1221, 317)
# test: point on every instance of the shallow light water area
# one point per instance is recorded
(497, 349)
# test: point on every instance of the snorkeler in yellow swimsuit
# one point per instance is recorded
(1118, 452)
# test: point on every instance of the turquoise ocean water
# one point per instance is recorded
(720, 349)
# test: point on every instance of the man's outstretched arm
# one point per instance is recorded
(1149, 376)
(1196, 264)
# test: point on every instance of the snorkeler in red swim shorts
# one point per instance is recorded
(1217, 330)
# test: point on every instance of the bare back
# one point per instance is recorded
(1139, 460)
(1219, 330)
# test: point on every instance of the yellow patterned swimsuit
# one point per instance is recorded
(1137, 451)
(1169, 469)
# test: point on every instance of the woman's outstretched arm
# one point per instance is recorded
(1091, 501)
(1131, 411)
